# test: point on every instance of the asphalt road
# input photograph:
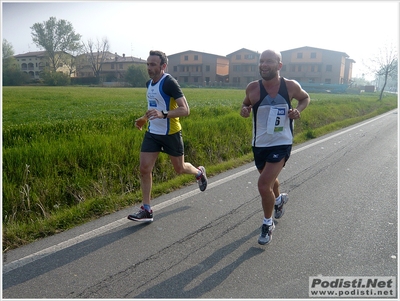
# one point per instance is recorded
(341, 220)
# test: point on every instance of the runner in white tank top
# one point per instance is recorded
(273, 115)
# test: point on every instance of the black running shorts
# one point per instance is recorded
(169, 144)
(273, 154)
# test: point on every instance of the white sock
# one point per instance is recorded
(278, 200)
(267, 221)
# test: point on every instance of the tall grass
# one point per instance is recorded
(72, 153)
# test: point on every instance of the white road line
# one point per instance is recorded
(68, 243)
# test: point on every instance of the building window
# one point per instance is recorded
(196, 79)
(249, 56)
(237, 68)
(121, 66)
(293, 68)
(208, 68)
(328, 68)
(196, 57)
(313, 55)
(185, 79)
(238, 57)
(299, 55)
(175, 68)
(112, 65)
(186, 58)
(327, 80)
(299, 68)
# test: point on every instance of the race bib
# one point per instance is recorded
(276, 120)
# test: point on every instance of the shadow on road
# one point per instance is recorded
(73, 253)
(174, 287)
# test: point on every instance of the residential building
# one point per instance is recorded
(243, 67)
(33, 63)
(114, 68)
(111, 68)
(310, 65)
(199, 68)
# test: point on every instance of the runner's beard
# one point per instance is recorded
(268, 75)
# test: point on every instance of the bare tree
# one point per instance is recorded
(96, 54)
(70, 60)
(385, 64)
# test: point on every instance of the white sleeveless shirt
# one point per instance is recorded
(159, 100)
(271, 124)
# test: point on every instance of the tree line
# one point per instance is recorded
(64, 46)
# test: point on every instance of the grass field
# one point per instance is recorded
(71, 154)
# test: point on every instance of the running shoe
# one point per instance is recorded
(141, 216)
(266, 234)
(279, 208)
(202, 179)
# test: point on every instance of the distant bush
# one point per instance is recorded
(136, 75)
(14, 77)
(55, 78)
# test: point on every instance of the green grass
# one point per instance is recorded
(71, 154)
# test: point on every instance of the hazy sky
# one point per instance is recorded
(358, 28)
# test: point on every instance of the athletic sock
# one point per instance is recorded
(267, 221)
(278, 200)
(199, 173)
(147, 207)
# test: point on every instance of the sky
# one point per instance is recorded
(361, 29)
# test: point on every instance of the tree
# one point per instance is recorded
(96, 54)
(12, 75)
(55, 37)
(8, 50)
(137, 75)
(385, 64)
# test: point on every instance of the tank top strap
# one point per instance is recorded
(263, 92)
(283, 91)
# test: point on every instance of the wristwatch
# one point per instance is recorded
(165, 113)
